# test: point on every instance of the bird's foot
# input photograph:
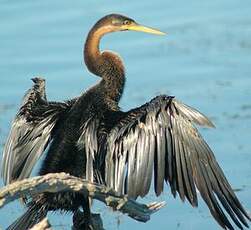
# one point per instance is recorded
(87, 222)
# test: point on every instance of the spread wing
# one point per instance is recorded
(31, 132)
(159, 141)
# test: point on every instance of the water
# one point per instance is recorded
(204, 60)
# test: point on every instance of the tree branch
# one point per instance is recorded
(59, 182)
(42, 225)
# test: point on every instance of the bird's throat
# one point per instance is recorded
(92, 54)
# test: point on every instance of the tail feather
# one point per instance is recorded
(32, 216)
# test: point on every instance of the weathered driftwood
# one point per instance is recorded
(42, 225)
(64, 182)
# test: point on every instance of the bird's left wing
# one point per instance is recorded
(159, 140)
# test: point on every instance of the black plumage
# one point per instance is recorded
(90, 137)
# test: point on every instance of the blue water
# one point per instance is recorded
(205, 61)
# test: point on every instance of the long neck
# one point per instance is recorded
(106, 65)
(92, 54)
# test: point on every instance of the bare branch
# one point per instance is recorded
(42, 225)
(59, 182)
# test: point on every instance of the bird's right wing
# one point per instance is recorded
(31, 132)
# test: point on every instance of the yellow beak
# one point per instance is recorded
(137, 27)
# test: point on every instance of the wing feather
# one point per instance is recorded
(160, 137)
(30, 133)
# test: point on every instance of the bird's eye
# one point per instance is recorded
(126, 22)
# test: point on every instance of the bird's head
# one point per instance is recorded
(117, 22)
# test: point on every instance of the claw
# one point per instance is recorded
(155, 206)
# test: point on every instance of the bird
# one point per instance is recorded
(90, 137)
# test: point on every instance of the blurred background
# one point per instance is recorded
(205, 61)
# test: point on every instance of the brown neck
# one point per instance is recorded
(106, 65)
(91, 51)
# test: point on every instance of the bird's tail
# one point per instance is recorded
(35, 213)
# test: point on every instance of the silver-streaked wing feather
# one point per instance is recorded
(160, 138)
(30, 133)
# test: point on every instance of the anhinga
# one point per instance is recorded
(90, 137)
